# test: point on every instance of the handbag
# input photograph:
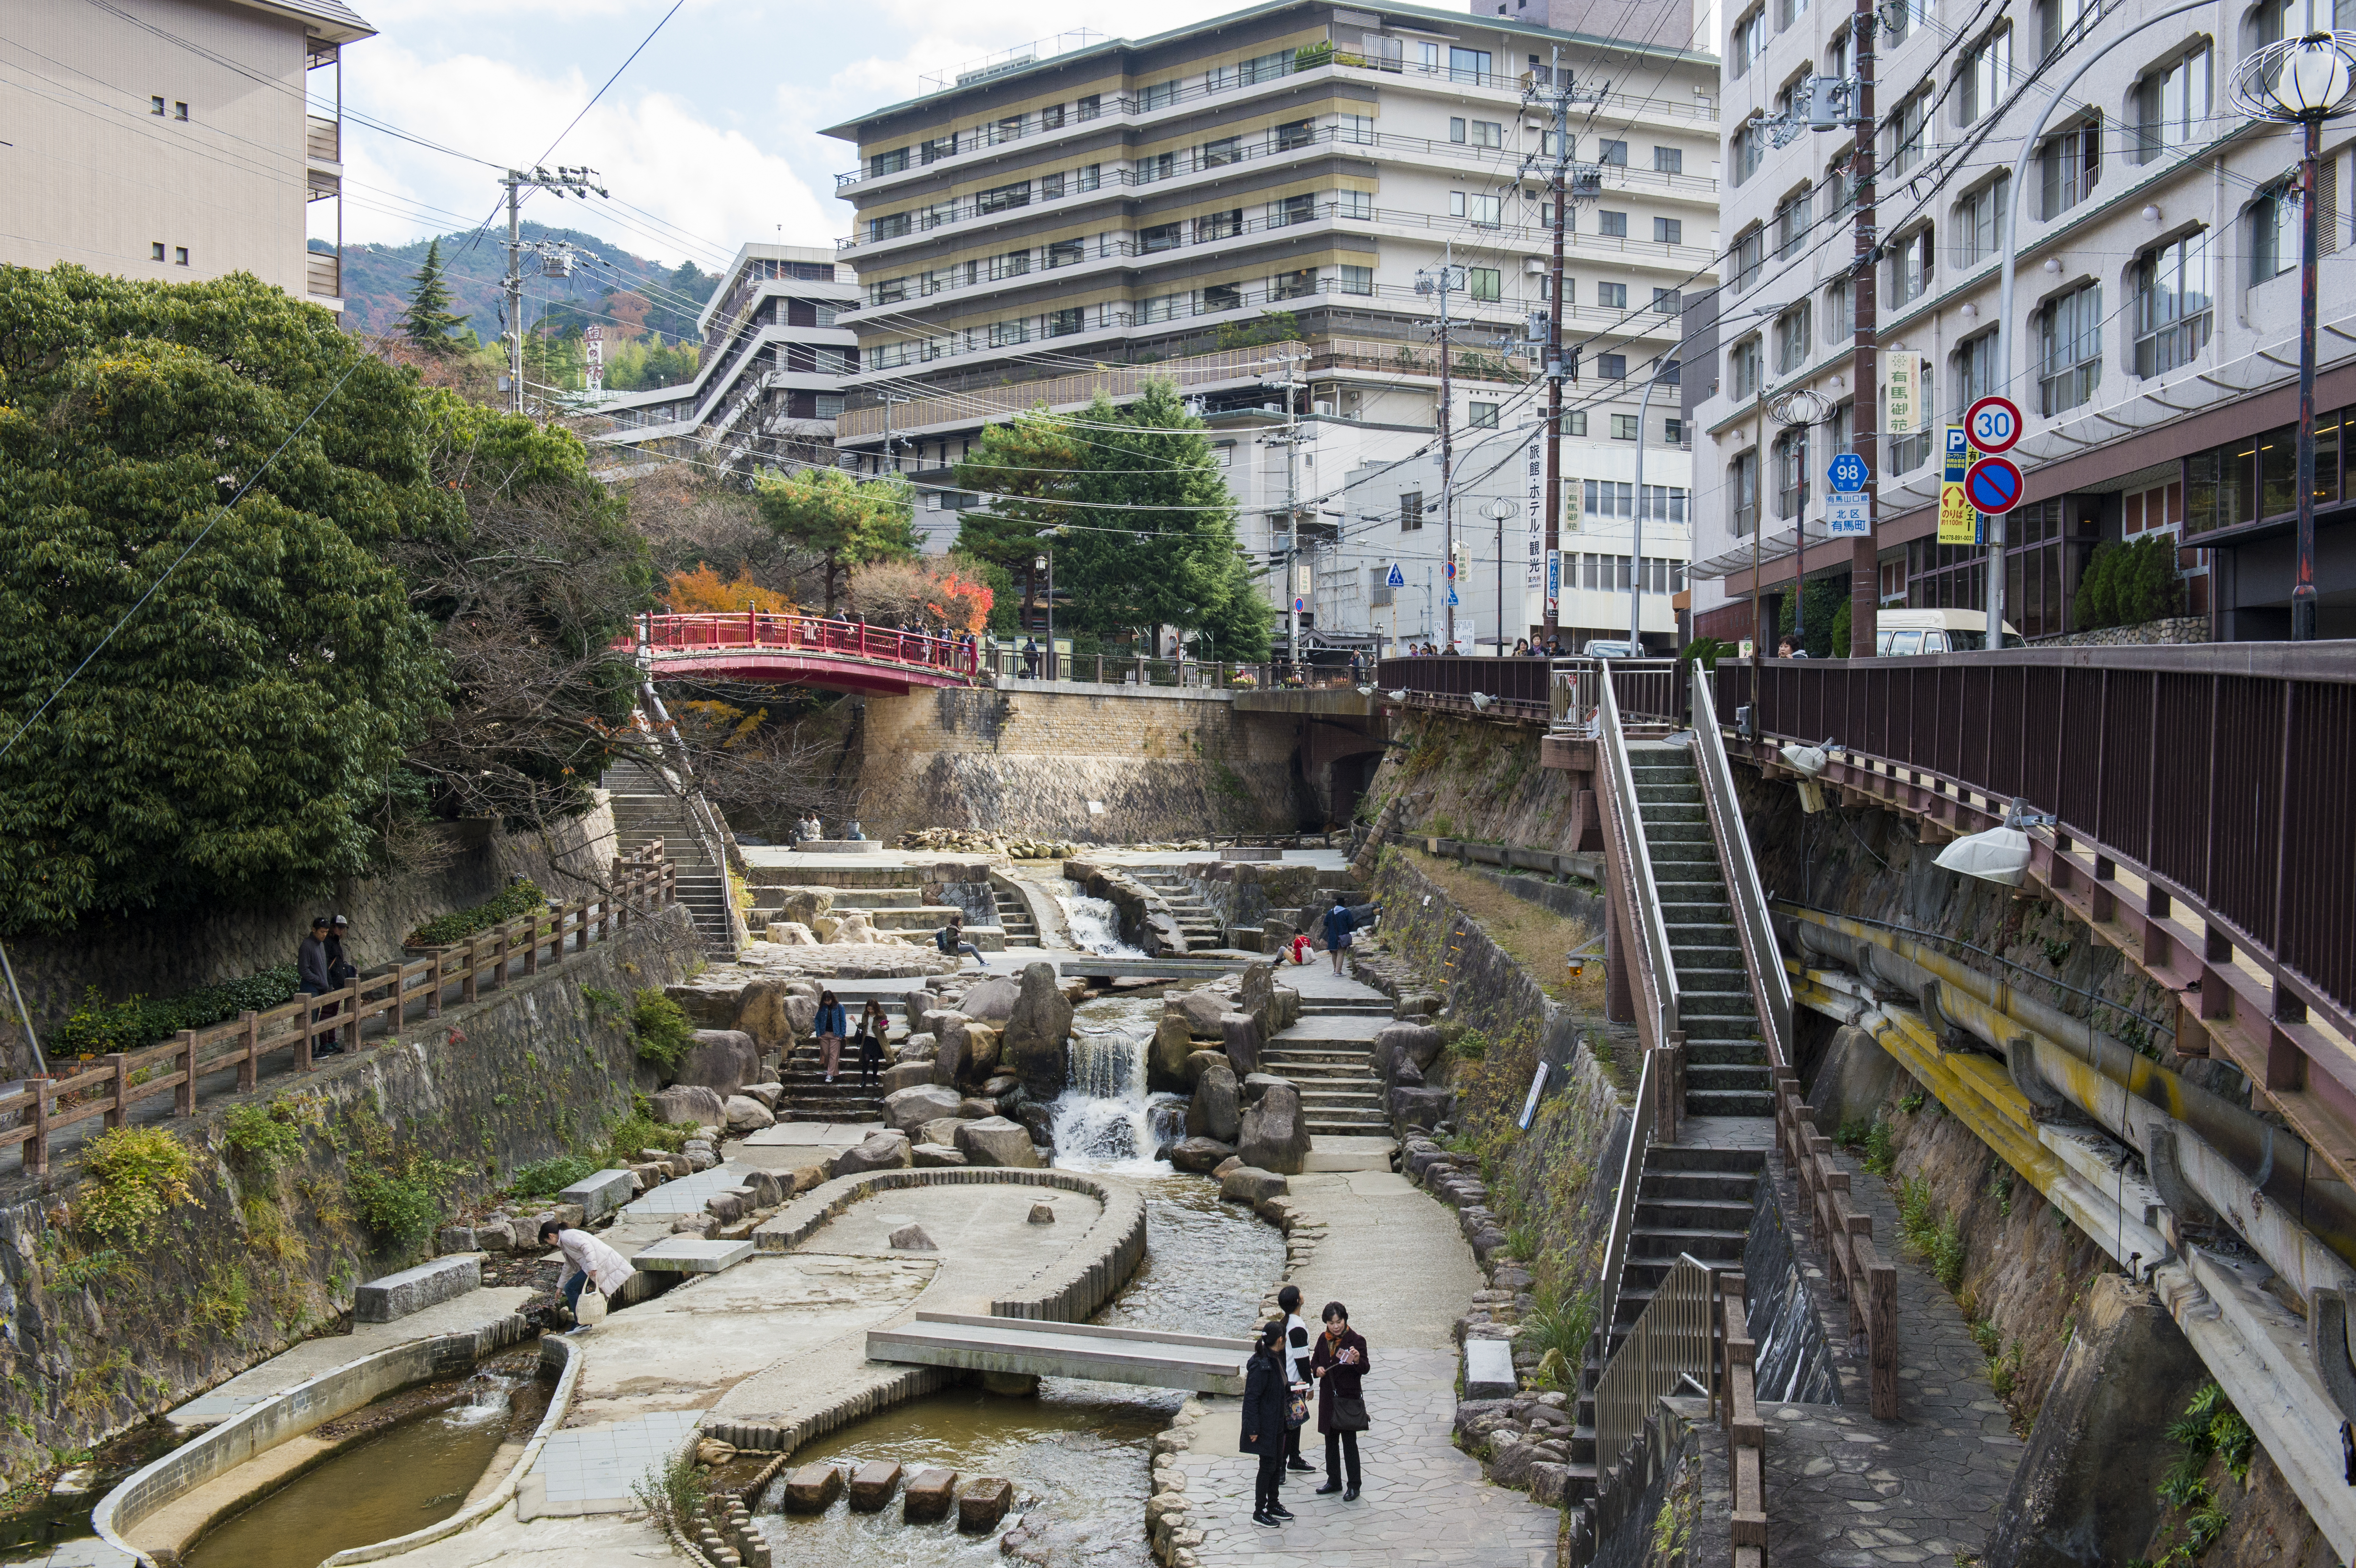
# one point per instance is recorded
(1349, 1415)
(1296, 1410)
(591, 1308)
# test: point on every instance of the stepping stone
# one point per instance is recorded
(414, 1290)
(928, 1496)
(873, 1484)
(687, 1253)
(1043, 1214)
(983, 1503)
(813, 1489)
(600, 1194)
(911, 1239)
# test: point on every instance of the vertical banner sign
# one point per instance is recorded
(1902, 385)
(1554, 585)
(1534, 463)
(1959, 523)
(593, 341)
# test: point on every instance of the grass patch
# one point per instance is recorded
(2209, 1428)
(672, 1495)
(131, 1178)
(1559, 1328)
(552, 1176)
(662, 1028)
(639, 1130)
(1937, 1241)
(1533, 936)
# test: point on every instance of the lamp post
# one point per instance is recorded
(2302, 81)
(1044, 563)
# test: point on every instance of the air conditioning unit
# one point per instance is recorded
(1325, 408)
(1536, 266)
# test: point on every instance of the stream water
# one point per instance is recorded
(1095, 925)
(1104, 1120)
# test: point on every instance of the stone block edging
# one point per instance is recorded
(554, 1350)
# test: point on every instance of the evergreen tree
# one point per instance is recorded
(428, 322)
(846, 521)
(1025, 469)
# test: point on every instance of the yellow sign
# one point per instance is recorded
(1957, 522)
(1902, 376)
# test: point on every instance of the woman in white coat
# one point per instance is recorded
(591, 1262)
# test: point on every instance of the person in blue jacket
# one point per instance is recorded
(1338, 926)
(831, 1025)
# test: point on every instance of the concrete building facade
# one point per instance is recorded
(178, 139)
(1248, 207)
(2156, 316)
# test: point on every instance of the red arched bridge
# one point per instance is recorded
(801, 650)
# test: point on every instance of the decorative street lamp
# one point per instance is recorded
(1044, 563)
(2302, 81)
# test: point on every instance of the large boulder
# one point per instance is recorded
(760, 1013)
(720, 1060)
(1425, 1108)
(1201, 1061)
(1274, 1134)
(952, 1051)
(690, 1104)
(881, 1151)
(790, 934)
(1200, 1010)
(941, 1130)
(1259, 994)
(906, 1076)
(801, 1008)
(996, 1141)
(1256, 1086)
(917, 1003)
(981, 1051)
(1031, 1046)
(1241, 1033)
(1416, 1042)
(802, 904)
(1214, 1112)
(1200, 1155)
(746, 1114)
(1165, 1059)
(1285, 1003)
(991, 1001)
(916, 1047)
(905, 1110)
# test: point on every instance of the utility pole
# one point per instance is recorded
(565, 181)
(1290, 439)
(1550, 611)
(1865, 372)
(1448, 278)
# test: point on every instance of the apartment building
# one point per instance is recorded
(768, 385)
(1260, 206)
(178, 139)
(2155, 318)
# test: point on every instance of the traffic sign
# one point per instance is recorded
(1453, 600)
(1847, 514)
(1398, 579)
(1298, 605)
(1847, 473)
(1448, 570)
(1994, 424)
(1994, 485)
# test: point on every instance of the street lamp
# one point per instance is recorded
(2302, 81)
(1044, 563)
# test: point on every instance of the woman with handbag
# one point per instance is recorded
(1267, 1404)
(1339, 1364)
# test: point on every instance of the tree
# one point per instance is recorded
(938, 592)
(702, 592)
(231, 739)
(1024, 469)
(2127, 584)
(845, 522)
(428, 322)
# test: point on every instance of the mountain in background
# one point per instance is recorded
(619, 288)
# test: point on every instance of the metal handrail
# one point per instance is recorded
(1623, 1203)
(1673, 1341)
(1748, 896)
(1643, 892)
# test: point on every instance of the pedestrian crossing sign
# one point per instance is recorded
(1398, 579)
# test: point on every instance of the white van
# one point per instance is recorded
(1897, 632)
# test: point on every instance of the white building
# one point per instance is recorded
(1042, 227)
(2156, 314)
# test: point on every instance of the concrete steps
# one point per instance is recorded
(1014, 918)
(1196, 922)
(643, 811)
(1340, 1096)
(808, 1097)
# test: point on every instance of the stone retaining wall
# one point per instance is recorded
(2144, 634)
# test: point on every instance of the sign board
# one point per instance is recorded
(1453, 600)
(1537, 1087)
(1847, 516)
(1993, 485)
(1959, 523)
(1847, 473)
(1298, 605)
(1448, 570)
(1901, 378)
(1554, 585)
(1993, 425)
(1398, 579)
(1533, 506)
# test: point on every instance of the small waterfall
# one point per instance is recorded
(1096, 926)
(1105, 1119)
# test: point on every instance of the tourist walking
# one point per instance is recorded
(589, 1262)
(1265, 1399)
(874, 1028)
(1339, 1363)
(830, 1026)
(1296, 1367)
(950, 940)
(312, 978)
(1338, 926)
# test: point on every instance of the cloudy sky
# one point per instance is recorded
(708, 140)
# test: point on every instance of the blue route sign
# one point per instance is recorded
(1847, 473)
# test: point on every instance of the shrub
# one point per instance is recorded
(98, 1026)
(1881, 1149)
(662, 1028)
(131, 1178)
(551, 1175)
(639, 1130)
(2127, 584)
(1561, 1324)
(673, 1494)
(262, 1137)
(442, 931)
(1940, 1241)
(402, 1202)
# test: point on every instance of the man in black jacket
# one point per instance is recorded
(315, 974)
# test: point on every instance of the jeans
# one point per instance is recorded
(966, 947)
(1271, 1476)
(572, 1289)
(1341, 1447)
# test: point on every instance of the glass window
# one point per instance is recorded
(1742, 489)
(1050, 187)
(1265, 67)
(1161, 237)
(1457, 131)
(1669, 302)
(1612, 297)
(2069, 165)
(1613, 154)
(2172, 299)
(887, 228)
(1792, 473)
(1975, 369)
(1355, 128)
(1624, 427)
(2070, 348)
(1002, 198)
(1484, 283)
(1292, 210)
(1742, 364)
(1225, 149)
(2170, 105)
(1012, 264)
(1668, 231)
(1066, 252)
(1906, 128)
(1981, 81)
(2058, 20)
(1160, 95)
(1295, 133)
(1219, 225)
(890, 163)
(1980, 222)
(1356, 280)
(2274, 231)
(1750, 145)
(1668, 160)
(1089, 108)
(1354, 204)
(1064, 323)
(1746, 42)
(1611, 367)
(2280, 20)
(1089, 177)
(1410, 511)
(1488, 134)
(1222, 296)
(1792, 225)
(1840, 311)
(1470, 65)
(1294, 285)
(1611, 224)
(1485, 211)
(1052, 117)
(1578, 425)
(1749, 255)
(1792, 331)
(1910, 267)
(1482, 416)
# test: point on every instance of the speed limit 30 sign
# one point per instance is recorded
(1993, 424)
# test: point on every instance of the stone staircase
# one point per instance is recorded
(1196, 922)
(808, 1097)
(1014, 917)
(1726, 1061)
(1340, 1095)
(644, 810)
(1692, 1199)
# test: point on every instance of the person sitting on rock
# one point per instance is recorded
(950, 940)
(590, 1261)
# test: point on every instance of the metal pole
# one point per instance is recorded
(1447, 455)
(1551, 608)
(1636, 553)
(1291, 527)
(1051, 615)
(2302, 589)
(515, 293)
(40, 1062)
(1865, 374)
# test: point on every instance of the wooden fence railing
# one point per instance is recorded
(1746, 1434)
(1860, 1275)
(35, 1111)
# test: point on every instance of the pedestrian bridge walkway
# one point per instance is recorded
(1021, 1345)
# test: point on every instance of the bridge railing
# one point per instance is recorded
(36, 1110)
(815, 634)
(2200, 797)
(1511, 687)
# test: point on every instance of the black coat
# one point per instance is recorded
(1265, 1399)
(1337, 1379)
(311, 966)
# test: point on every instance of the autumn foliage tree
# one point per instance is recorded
(937, 593)
(703, 590)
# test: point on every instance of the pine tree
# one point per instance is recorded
(428, 322)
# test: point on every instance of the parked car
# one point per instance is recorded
(1605, 648)
(1898, 633)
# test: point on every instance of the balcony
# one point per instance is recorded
(323, 138)
(326, 274)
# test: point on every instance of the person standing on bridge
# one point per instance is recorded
(831, 1024)
(1339, 1364)
(1338, 926)
(1266, 1400)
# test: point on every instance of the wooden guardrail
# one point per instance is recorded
(33, 1113)
(1746, 1434)
(1860, 1275)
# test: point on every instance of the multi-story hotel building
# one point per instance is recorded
(2155, 319)
(768, 384)
(178, 139)
(1260, 206)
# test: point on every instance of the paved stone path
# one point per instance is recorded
(1847, 1491)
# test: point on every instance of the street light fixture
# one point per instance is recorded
(2302, 81)
(1044, 563)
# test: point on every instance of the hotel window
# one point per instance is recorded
(2069, 165)
(1217, 297)
(1164, 307)
(1742, 490)
(890, 163)
(1052, 117)
(1976, 372)
(1483, 211)
(1359, 129)
(1910, 267)
(1840, 311)
(1292, 210)
(1064, 323)
(1606, 499)
(1981, 80)
(999, 131)
(1225, 151)
(1668, 161)
(1668, 231)
(156, 252)
(1750, 253)
(1295, 133)
(1792, 339)
(1356, 280)
(1382, 53)
(2170, 105)
(1669, 302)
(179, 255)
(1354, 204)
(1091, 106)
(1792, 473)
(2274, 230)
(1294, 285)
(1624, 427)
(1088, 177)
(1742, 366)
(1156, 166)
(1611, 296)
(1611, 225)
(2172, 300)
(1410, 511)
(1746, 41)
(1066, 252)
(1791, 224)
(1482, 416)
(1050, 187)
(1611, 367)
(1265, 67)
(1484, 283)
(2070, 348)
(1612, 154)
(1161, 237)
(890, 227)
(1980, 222)
(1004, 333)
(2056, 19)
(1004, 198)
(1750, 145)
(1475, 66)
(936, 148)
(1219, 225)
(1012, 264)
(1906, 128)
(1160, 95)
